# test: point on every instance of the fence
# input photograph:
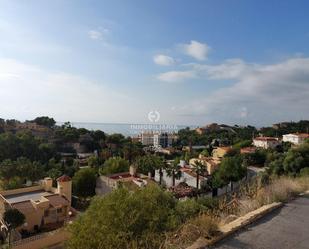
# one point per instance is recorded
(42, 240)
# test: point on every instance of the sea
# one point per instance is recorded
(127, 129)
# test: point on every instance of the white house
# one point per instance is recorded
(295, 138)
(266, 142)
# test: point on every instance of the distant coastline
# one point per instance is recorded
(127, 129)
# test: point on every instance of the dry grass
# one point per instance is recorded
(251, 198)
(200, 226)
(282, 190)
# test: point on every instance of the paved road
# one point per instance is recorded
(286, 228)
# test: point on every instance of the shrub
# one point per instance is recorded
(84, 182)
(187, 209)
(208, 203)
(14, 217)
(304, 172)
(114, 165)
(124, 219)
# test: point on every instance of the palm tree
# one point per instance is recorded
(161, 165)
(173, 170)
(200, 169)
(149, 163)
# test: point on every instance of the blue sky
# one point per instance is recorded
(194, 62)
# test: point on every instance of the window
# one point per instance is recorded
(46, 213)
(59, 210)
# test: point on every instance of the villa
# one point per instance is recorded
(295, 138)
(211, 163)
(131, 180)
(187, 175)
(42, 205)
(266, 142)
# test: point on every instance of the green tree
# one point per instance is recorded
(242, 144)
(28, 170)
(148, 163)
(296, 159)
(14, 217)
(45, 121)
(205, 153)
(114, 165)
(124, 219)
(200, 169)
(84, 182)
(94, 161)
(54, 173)
(8, 169)
(304, 172)
(187, 209)
(276, 166)
(46, 152)
(173, 170)
(230, 170)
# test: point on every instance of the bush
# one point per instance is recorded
(114, 165)
(187, 209)
(124, 219)
(13, 183)
(14, 217)
(84, 182)
(208, 203)
(304, 172)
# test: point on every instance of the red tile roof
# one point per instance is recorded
(302, 135)
(64, 178)
(57, 200)
(247, 150)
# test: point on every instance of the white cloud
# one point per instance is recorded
(176, 76)
(196, 50)
(95, 35)
(260, 93)
(163, 60)
(28, 91)
(230, 69)
(98, 34)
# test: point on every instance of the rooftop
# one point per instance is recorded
(120, 176)
(225, 148)
(56, 200)
(34, 196)
(64, 178)
(247, 150)
(266, 139)
(302, 135)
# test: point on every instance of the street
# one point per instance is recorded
(285, 228)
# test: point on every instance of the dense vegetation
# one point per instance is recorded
(28, 154)
(133, 220)
(140, 219)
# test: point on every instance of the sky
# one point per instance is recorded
(192, 62)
